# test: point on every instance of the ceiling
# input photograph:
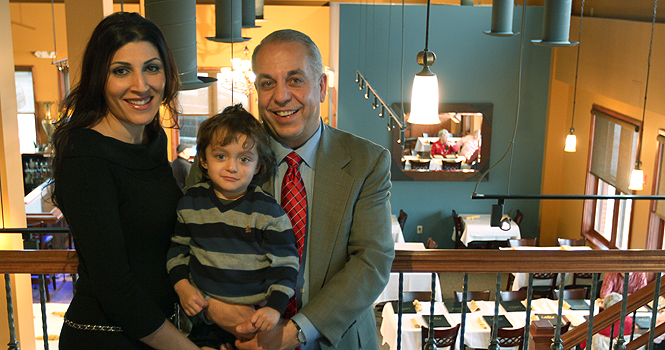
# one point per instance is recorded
(636, 10)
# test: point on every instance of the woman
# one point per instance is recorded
(443, 147)
(114, 184)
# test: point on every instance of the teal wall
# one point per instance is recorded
(471, 67)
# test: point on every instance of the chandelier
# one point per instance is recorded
(239, 77)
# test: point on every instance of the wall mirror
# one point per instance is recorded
(462, 156)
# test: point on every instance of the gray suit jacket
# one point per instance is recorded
(350, 242)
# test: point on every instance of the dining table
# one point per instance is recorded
(412, 281)
(476, 332)
(477, 228)
(436, 162)
(522, 279)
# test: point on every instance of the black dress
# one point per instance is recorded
(120, 202)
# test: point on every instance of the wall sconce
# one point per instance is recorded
(425, 90)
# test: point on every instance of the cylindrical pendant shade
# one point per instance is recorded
(228, 21)
(571, 143)
(249, 14)
(502, 18)
(258, 8)
(556, 23)
(425, 100)
(177, 21)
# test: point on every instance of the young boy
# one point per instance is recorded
(232, 241)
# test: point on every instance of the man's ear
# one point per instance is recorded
(323, 86)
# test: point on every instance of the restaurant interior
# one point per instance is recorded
(530, 97)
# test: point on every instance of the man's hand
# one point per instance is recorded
(228, 316)
(280, 337)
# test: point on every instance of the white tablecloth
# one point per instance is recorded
(475, 336)
(413, 281)
(434, 163)
(398, 235)
(477, 228)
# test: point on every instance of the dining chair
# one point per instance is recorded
(571, 242)
(518, 217)
(512, 295)
(572, 294)
(474, 295)
(441, 338)
(419, 164)
(425, 296)
(544, 291)
(524, 242)
(510, 338)
(401, 219)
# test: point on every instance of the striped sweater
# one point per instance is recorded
(241, 252)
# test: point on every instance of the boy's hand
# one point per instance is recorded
(264, 319)
(191, 299)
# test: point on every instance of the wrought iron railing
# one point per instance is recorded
(443, 261)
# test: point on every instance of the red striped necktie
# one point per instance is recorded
(294, 202)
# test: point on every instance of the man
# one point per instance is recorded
(348, 248)
(181, 165)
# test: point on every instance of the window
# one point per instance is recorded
(200, 104)
(656, 228)
(613, 155)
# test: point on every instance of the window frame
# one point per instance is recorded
(656, 224)
(591, 188)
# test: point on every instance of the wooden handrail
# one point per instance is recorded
(38, 261)
(644, 338)
(529, 261)
(612, 314)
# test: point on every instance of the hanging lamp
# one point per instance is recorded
(425, 90)
(637, 176)
(571, 139)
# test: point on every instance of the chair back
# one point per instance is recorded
(459, 229)
(401, 219)
(571, 242)
(518, 217)
(572, 294)
(509, 338)
(544, 291)
(513, 295)
(425, 296)
(441, 337)
(419, 164)
(483, 295)
(524, 242)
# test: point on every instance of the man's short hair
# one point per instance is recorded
(293, 36)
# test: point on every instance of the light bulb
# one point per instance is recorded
(636, 180)
(571, 143)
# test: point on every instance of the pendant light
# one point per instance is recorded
(425, 91)
(637, 176)
(571, 139)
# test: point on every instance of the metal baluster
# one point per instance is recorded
(557, 345)
(465, 288)
(529, 297)
(400, 300)
(13, 343)
(42, 304)
(592, 306)
(654, 312)
(430, 337)
(620, 344)
(494, 343)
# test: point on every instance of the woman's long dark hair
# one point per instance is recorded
(85, 106)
